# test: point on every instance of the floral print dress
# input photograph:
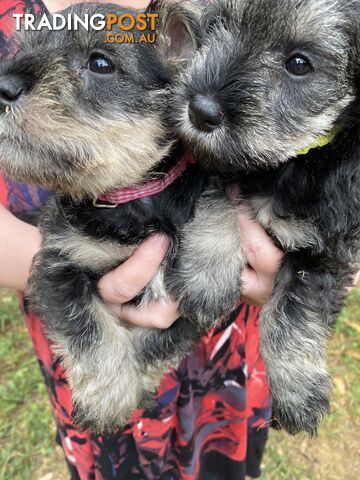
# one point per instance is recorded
(211, 414)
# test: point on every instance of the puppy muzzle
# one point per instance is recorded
(11, 89)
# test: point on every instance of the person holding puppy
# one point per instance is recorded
(206, 423)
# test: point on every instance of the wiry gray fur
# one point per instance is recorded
(309, 203)
(80, 133)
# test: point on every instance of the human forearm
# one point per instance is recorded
(19, 242)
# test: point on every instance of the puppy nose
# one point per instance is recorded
(205, 113)
(10, 89)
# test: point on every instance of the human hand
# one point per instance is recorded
(125, 282)
(263, 259)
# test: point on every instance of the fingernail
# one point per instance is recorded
(159, 240)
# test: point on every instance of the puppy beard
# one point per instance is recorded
(80, 154)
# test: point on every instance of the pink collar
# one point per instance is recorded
(128, 194)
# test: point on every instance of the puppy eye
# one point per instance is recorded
(298, 65)
(100, 64)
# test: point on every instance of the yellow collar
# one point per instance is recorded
(321, 142)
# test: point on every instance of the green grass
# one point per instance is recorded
(27, 446)
(26, 426)
(335, 453)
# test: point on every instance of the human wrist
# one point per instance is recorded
(19, 242)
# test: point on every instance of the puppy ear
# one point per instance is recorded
(178, 29)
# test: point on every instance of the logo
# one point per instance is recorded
(125, 24)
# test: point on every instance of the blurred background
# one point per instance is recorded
(27, 434)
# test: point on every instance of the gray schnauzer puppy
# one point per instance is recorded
(272, 99)
(82, 118)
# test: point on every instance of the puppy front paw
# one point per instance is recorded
(105, 400)
(206, 277)
(297, 411)
(101, 406)
(205, 306)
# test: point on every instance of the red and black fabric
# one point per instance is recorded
(7, 10)
(211, 415)
(209, 421)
